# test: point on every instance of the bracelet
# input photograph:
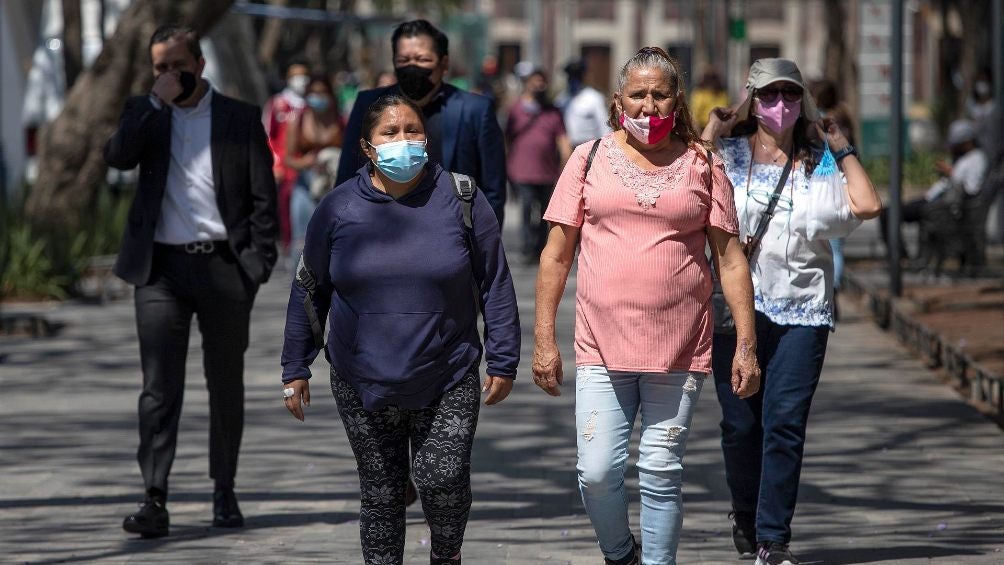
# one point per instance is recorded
(847, 150)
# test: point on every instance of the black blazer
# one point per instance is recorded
(242, 177)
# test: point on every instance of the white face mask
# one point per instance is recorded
(298, 83)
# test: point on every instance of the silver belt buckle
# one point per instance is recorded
(200, 247)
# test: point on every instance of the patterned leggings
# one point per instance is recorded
(441, 438)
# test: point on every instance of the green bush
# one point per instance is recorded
(28, 271)
(918, 169)
(36, 265)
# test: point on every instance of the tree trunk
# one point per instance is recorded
(271, 36)
(73, 41)
(70, 163)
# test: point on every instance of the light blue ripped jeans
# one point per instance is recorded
(606, 403)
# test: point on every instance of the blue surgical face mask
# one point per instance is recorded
(401, 160)
(318, 102)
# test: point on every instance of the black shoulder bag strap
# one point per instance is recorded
(761, 227)
(589, 159)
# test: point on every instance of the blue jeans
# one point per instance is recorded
(301, 208)
(606, 403)
(763, 436)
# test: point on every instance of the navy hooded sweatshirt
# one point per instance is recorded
(396, 282)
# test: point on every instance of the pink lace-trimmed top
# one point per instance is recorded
(643, 299)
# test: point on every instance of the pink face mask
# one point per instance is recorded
(648, 129)
(780, 115)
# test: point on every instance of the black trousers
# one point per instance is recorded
(214, 288)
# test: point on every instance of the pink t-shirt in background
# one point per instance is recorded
(643, 299)
(533, 144)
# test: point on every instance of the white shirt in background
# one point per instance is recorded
(586, 116)
(968, 171)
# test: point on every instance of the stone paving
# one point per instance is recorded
(898, 469)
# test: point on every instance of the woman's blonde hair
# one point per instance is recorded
(657, 58)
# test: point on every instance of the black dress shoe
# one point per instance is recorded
(150, 522)
(226, 513)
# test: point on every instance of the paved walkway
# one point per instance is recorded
(899, 470)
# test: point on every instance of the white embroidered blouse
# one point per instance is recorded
(792, 275)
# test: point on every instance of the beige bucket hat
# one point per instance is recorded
(767, 71)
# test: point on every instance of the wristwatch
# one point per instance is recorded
(847, 150)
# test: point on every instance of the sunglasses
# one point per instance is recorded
(770, 94)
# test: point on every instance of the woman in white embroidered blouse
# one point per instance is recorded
(826, 194)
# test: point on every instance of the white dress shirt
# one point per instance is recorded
(189, 211)
(586, 116)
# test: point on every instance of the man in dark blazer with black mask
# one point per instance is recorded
(200, 239)
(462, 131)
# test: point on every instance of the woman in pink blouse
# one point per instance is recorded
(641, 204)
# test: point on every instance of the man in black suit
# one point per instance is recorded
(462, 131)
(200, 239)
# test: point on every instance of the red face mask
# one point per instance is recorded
(648, 129)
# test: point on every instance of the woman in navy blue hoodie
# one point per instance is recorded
(390, 262)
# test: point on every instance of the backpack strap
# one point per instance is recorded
(464, 188)
(305, 278)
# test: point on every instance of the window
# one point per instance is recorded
(763, 52)
(765, 10)
(508, 55)
(684, 55)
(596, 9)
(510, 9)
(673, 10)
(598, 69)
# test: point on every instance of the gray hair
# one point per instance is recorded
(650, 58)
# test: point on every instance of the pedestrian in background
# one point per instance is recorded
(314, 145)
(463, 133)
(585, 109)
(538, 149)
(642, 204)
(389, 259)
(279, 112)
(709, 94)
(200, 240)
(773, 148)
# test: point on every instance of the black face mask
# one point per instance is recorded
(188, 83)
(414, 81)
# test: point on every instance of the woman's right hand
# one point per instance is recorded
(745, 370)
(299, 399)
(547, 368)
(720, 122)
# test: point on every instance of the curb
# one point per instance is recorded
(983, 388)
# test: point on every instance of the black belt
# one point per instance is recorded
(196, 247)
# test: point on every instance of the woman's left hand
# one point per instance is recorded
(498, 388)
(745, 371)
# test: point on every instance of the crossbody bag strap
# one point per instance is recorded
(761, 227)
